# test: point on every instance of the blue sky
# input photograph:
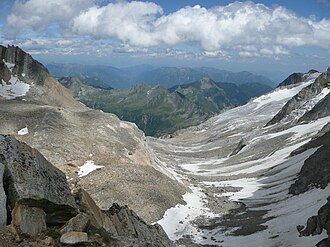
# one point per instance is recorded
(273, 38)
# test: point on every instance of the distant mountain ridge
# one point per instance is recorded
(158, 111)
(108, 76)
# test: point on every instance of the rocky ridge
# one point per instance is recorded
(304, 101)
(39, 199)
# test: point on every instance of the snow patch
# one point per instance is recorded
(280, 94)
(176, 221)
(87, 168)
(23, 132)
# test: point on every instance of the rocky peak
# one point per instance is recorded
(24, 66)
(292, 79)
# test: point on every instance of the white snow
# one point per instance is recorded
(87, 168)
(280, 94)
(176, 221)
(14, 87)
(23, 131)
(10, 66)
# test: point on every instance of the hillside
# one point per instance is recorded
(97, 152)
(158, 111)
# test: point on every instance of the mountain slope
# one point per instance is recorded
(242, 198)
(96, 150)
(158, 111)
(108, 76)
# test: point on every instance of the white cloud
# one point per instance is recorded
(39, 14)
(130, 22)
(245, 28)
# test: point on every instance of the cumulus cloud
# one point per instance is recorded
(244, 27)
(40, 14)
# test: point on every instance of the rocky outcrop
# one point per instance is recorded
(31, 180)
(128, 224)
(32, 70)
(3, 198)
(297, 102)
(316, 224)
(316, 169)
(242, 143)
(73, 238)
(25, 70)
(39, 200)
(320, 110)
(98, 219)
(292, 79)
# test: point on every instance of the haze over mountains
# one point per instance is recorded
(107, 76)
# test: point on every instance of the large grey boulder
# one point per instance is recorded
(31, 180)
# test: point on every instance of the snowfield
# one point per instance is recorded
(259, 175)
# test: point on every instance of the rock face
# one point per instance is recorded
(3, 197)
(292, 79)
(25, 171)
(316, 224)
(297, 102)
(128, 224)
(97, 219)
(72, 238)
(29, 72)
(316, 169)
(28, 220)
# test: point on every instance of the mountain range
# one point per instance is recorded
(111, 77)
(252, 175)
(158, 111)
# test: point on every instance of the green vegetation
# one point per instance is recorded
(156, 110)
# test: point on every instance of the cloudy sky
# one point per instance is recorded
(267, 37)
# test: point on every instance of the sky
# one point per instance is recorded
(273, 38)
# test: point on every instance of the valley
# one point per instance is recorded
(253, 175)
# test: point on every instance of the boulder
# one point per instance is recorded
(3, 197)
(316, 224)
(128, 224)
(73, 238)
(78, 223)
(30, 180)
(97, 218)
(28, 221)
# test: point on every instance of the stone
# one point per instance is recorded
(47, 241)
(28, 221)
(128, 224)
(78, 223)
(3, 197)
(73, 238)
(97, 218)
(31, 180)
